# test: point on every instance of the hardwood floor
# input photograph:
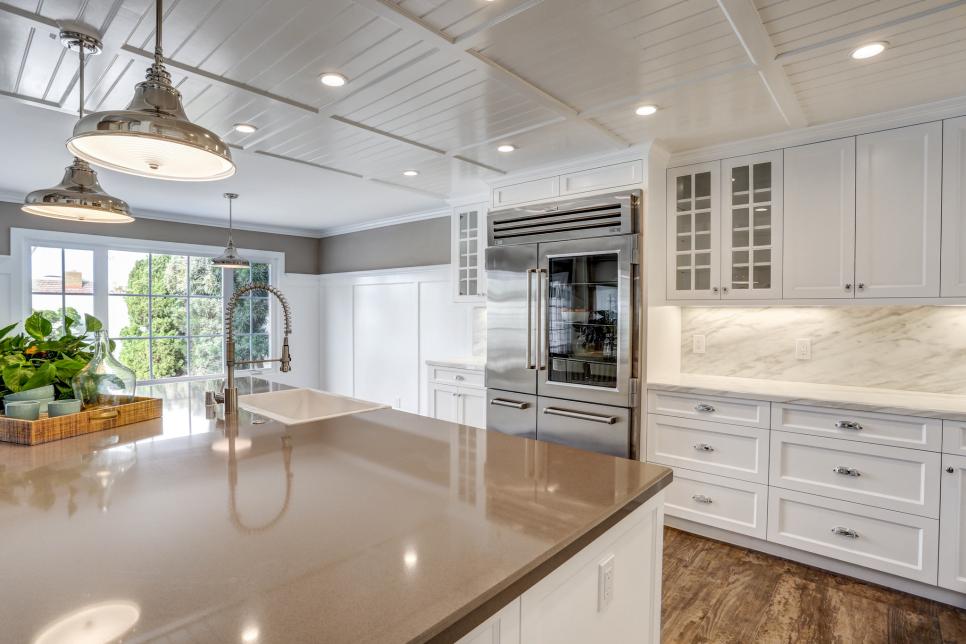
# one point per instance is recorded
(715, 592)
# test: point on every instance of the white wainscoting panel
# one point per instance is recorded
(302, 292)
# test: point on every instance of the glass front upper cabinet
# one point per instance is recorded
(752, 225)
(693, 232)
(469, 240)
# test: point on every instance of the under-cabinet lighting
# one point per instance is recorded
(868, 51)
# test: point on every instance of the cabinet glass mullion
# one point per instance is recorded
(693, 232)
(751, 227)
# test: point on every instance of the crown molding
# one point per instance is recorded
(935, 111)
(382, 223)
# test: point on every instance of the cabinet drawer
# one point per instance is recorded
(537, 190)
(894, 478)
(715, 448)
(610, 176)
(464, 378)
(900, 544)
(954, 437)
(738, 411)
(729, 504)
(865, 427)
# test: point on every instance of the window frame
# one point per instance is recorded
(22, 239)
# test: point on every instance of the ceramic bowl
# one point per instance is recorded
(63, 407)
(43, 395)
(24, 409)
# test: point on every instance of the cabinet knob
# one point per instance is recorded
(848, 287)
(724, 289)
(861, 286)
(714, 289)
(950, 469)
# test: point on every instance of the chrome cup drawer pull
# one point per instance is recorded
(704, 408)
(703, 447)
(845, 532)
(846, 471)
(848, 424)
(700, 498)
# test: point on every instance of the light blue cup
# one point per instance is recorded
(24, 410)
(63, 407)
(43, 395)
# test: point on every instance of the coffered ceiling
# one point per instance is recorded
(436, 85)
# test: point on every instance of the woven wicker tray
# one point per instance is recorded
(44, 430)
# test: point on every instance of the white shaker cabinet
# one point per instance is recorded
(954, 208)
(818, 258)
(468, 241)
(952, 527)
(751, 226)
(898, 213)
(694, 233)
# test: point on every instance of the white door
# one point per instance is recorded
(473, 407)
(444, 402)
(693, 230)
(952, 525)
(954, 208)
(751, 227)
(818, 253)
(898, 190)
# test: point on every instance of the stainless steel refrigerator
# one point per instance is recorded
(563, 322)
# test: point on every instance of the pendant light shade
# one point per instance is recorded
(79, 196)
(153, 136)
(230, 258)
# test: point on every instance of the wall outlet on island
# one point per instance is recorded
(698, 343)
(803, 349)
(605, 583)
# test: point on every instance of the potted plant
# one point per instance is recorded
(35, 365)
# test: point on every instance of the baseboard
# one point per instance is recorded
(818, 561)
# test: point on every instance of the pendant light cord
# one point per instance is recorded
(229, 221)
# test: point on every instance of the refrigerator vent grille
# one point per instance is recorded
(604, 219)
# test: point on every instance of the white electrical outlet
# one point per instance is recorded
(803, 349)
(605, 583)
(698, 343)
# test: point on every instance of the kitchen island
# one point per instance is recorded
(377, 527)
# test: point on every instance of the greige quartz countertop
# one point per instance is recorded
(948, 406)
(379, 527)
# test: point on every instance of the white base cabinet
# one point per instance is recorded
(952, 526)
(457, 395)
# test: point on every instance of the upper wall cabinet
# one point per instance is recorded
(954, 208)
(819, 240)
(694, 233)
(898, 213)
(468, 233)
(600, 178)
(751, 220)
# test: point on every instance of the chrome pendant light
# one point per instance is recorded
(79, 197)
(230, 258)
(153, 136)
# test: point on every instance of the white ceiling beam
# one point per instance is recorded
(469, 36)
(415, 25)
(748, 27)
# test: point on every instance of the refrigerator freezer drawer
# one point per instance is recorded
(597, 428)
(511, 413)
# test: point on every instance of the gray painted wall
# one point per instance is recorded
(417, 243)
(301, 253)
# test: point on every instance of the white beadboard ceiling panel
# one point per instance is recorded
(457, 18)
(536, 148)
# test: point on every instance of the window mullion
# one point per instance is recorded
(101, 301)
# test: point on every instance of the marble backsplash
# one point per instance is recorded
(917, 348)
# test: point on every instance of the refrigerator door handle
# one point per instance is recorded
(500, 402)
(594, 418)
(541, 309)
(530, 273)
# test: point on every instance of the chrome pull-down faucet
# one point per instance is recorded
(231, 392)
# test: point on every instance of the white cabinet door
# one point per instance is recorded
(693, 227)
(952, 526)
(502, 628)
(898, 191)
(751, 227)
(818, 253)
(528, 191)
(444, 402)
(607, 177)
(473, 407)
(468, 232)
(954, 208)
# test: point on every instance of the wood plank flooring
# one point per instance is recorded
(719, 593)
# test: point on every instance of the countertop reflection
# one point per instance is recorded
(379, 527)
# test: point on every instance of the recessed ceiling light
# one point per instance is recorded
(245, 128)
(869, 50)
(645, 110)
(506, 147)
(411, 173)
(333, 79)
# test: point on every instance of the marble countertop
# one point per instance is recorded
(947, 406)
(473, 363)
(378, 527)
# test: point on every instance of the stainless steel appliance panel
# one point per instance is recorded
(597, 428)
(588, 320)
(511, 342)
(511, 413)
